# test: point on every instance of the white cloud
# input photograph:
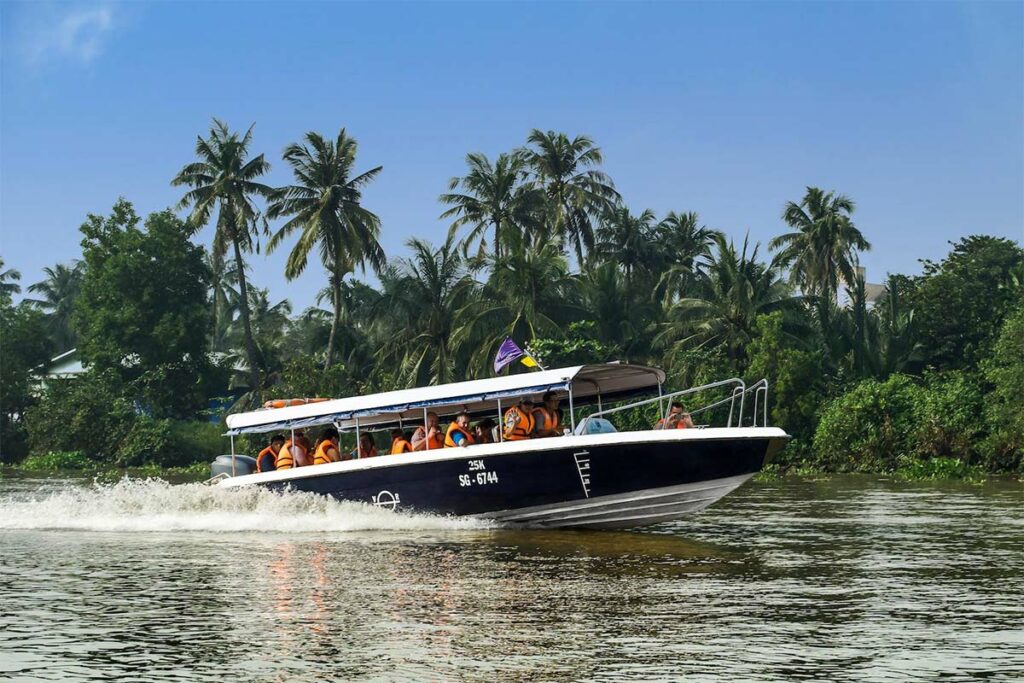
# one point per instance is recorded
(73, 32)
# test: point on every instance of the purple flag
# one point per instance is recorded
(508, 353)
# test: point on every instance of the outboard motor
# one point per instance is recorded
(222, 465)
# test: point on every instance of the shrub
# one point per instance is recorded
(951, 420)
(57, 460)
(1004, 448)
(86, 413)
(869, 427)
(199, 441)
(148, 441)
(939, 468)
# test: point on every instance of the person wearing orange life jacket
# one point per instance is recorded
(266, 461)
(399, 443)
(327, 450)
(677, 418)
(458, 435)
(547, 418)
(428, 435)
(367, 448)
(518, 420)
(483, 431)
(294, 454)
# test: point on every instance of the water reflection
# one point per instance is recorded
(848, 579)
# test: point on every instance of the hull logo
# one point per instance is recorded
(386, 499)
(582, 459)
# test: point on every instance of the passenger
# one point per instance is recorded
(677, 418)
(458, 432)
(267, 459)
(399, 442)
(519, 420)
(294, 455)
(431, 436)
(367, 447)
(327, 450)
(547, 418)
(483, 431)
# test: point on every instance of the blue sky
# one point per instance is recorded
(915, 110)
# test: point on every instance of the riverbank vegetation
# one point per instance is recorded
(923, 374)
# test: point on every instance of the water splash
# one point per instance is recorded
(154, 505)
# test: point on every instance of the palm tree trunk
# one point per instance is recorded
(250, 343)
(336, 285)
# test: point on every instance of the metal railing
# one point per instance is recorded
(739, 390)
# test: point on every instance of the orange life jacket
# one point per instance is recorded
(518, 424)
(449, 437)
(321, 457)
(265, 453)
(358, 453)
(400, 445)
(285, 454)
(546, 420)
(434, 441)
(680, 424)
(284, 459)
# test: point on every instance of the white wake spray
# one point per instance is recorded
(155, 505)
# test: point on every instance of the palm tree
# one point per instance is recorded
(622, 315)
(324, 205)
(491, 197)
(822, 252)
(224, 297)
(627, 240)
(685, 246)
(9, 282)
(736, 289)
(269, 321)
(58, 293)
(577, 193)
(420, 306)
(224, 179)
(529, 293)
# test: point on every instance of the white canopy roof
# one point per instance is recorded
(588, 382)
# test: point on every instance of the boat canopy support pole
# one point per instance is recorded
(572, 410)
(426, 429)
(661, 405)
(232, 455)
(501, 432)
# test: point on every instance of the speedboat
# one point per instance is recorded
(595, 475)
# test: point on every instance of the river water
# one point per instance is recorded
(853, 578)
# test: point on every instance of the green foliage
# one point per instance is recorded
(939, 468)
(198, 441)
(142, 307)
(91, 415)
(304, 377)
(579, 347)
(879, 426)
(56, 460)
(25, 347)
(950, 417)
(795, 380)
(869, 427)
(960, 303)
(561, 264)
(148, 441)
(1004, 448)
(87, 413)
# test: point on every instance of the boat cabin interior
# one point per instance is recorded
(589, 398)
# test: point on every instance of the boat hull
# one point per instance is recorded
(575, 482)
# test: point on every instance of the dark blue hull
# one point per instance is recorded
(602, 485)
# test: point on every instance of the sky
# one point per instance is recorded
(915, 110)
